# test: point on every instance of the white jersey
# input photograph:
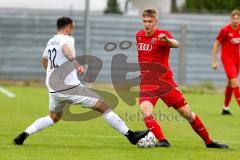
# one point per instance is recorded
(53, 52)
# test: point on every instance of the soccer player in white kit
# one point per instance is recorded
(59, 50)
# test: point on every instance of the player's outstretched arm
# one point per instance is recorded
(44, 62)
(67, 51)
(172, 42)
(214, 55)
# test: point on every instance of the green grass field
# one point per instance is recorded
(94, 139)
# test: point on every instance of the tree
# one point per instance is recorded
(112, 7)
(213, 6)
(174, 6)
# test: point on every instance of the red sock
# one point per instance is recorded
(228, 96)
(237, 94)
(200, 129)
(152, 124)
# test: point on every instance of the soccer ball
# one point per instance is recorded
(148, 141)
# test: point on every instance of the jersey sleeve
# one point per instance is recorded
(137, 37)
(66, 41)
(169, 35)
(221, 35)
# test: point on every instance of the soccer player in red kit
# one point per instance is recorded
(229, 39)
(153, 45)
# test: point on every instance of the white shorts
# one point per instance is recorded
(58, 100)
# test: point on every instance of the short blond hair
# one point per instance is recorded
(150, 12)
(235, 12)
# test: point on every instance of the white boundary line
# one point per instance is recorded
(7, 93)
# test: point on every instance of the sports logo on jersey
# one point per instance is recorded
(144, 47)
(230, 34)
(153, 40)
(235, 40)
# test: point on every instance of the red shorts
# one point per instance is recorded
(231, 67)
(174, 98)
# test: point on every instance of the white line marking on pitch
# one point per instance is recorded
(7, 93)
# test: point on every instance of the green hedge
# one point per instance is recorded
(213, 6)
(112, 7)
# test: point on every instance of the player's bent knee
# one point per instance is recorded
(190, 116)
(55, 119)
(186, 113)
(234, 82)
(55, 116)
(146, 108)
(101, 106)
(234, 85)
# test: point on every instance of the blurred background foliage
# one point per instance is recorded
(207, 6)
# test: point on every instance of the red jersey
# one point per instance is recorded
(150, 49)
(230, 41)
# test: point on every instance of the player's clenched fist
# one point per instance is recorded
(80, 69)
(214, 65)
(163, 37)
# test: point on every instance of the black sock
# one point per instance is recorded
(129, 133)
